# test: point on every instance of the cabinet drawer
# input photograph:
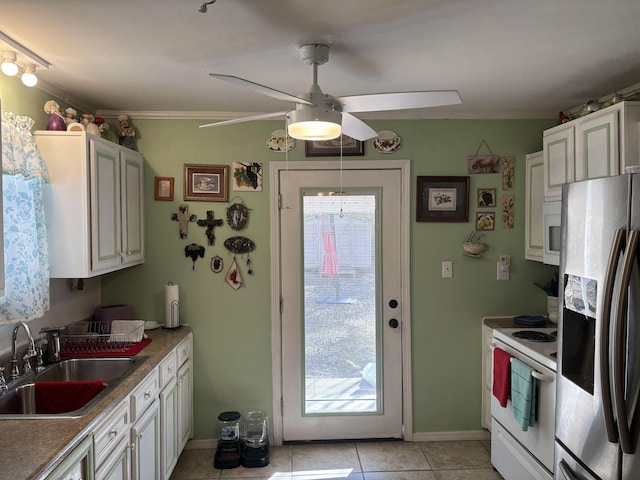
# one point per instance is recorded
(184, 349)
(168, 369)
(111, 431)
(144, 394)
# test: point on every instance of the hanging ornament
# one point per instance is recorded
(249, 266)
(239, 245)
(237, 216)
(194, 251)
(217, 264)
(233, 277)
(211, 222)
(183, 218)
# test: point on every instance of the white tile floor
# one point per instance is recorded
(455, 460)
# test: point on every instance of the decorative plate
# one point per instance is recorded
(386, 142)
(280, 142)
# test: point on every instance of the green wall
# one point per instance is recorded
(232, 353)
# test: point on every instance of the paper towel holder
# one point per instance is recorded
(172, 305)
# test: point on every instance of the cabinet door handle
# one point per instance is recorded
(131, 446)
(114, 432)
(147, 394)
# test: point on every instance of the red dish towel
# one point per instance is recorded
(501, 375)
(62, 397)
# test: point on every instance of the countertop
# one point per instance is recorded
(31, 449)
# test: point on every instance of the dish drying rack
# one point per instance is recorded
(97, 337)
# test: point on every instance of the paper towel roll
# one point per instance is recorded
(171, 306)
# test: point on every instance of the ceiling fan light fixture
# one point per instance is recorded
(314, 124)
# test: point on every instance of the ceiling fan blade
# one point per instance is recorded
(264, 90)
(244, 119)
(356, 128)
(378, 102)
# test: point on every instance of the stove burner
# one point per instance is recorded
(535, 336)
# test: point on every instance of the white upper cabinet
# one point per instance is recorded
(601, 144)
(534, 201)
(94, 204)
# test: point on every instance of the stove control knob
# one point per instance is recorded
(393, 323)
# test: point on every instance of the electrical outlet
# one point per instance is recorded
(447, 269)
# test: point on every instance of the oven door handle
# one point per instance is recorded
(542, 377)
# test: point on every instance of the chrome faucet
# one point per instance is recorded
(15, 371)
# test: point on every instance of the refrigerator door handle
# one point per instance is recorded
(617, 247)
(626, 442)
(566, 471)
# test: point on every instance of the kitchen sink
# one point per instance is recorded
(86, 369)
(68, 389)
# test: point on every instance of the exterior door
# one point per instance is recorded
(343, 310)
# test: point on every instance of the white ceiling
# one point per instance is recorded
(507, 58)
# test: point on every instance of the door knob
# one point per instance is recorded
(393, 323)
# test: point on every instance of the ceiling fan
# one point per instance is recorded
(322, 117)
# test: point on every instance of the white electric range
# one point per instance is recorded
(515, 453)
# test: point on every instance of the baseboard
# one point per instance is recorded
(451, 436)
(202, 444)
(211, 443)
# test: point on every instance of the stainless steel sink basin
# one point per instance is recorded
(85, 369)
(22, 402)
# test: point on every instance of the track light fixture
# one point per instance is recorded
(18, 60)
(29, 76)
(9, 66)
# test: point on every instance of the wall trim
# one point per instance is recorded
(451, 436)
(211, 443)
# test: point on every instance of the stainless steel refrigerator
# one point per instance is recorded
(598, 382)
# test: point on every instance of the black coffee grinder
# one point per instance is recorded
(228, 453)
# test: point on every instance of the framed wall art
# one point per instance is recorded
(442, 199)
(486, 197)
(163, 188)
(206, 183)
(485, 221)
(331, 148)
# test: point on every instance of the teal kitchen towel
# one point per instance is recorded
(523, 394)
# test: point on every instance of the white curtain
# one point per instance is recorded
(26, 254)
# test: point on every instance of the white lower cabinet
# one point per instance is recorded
(145, 441)
(176, 404)
(143, 437)
(78, 465)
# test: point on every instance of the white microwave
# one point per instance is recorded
(551, 213)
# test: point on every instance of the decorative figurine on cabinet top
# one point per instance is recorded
(126, 133)
(56, 120)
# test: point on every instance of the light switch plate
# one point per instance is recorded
(447, 269)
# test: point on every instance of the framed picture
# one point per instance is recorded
(485, 164)
(164, 188)
(485, 221)
(331, 148)
(247, 177)
(442, 199)
(486, 197)
(206, 183)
